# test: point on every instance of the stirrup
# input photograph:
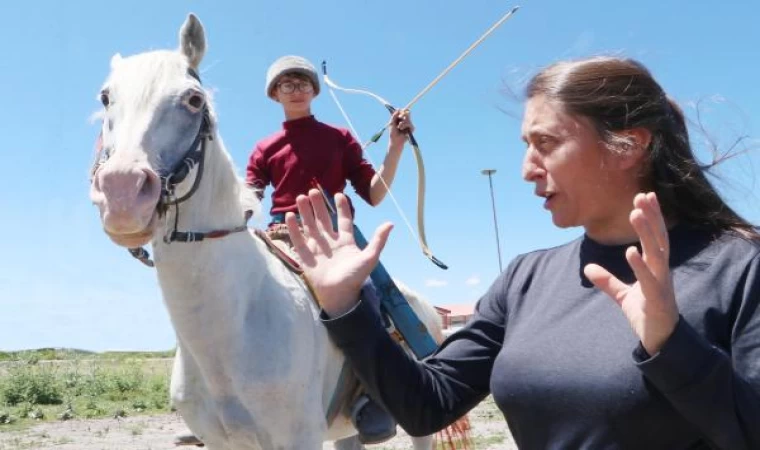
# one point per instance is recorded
(382, 431)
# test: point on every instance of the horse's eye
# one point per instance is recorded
(105, 99)
(195, 101)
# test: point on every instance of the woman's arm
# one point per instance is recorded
(423, 396)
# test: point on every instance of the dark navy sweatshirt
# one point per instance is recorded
(566, 369)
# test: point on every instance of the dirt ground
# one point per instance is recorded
(489, 432)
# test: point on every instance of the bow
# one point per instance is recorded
(420, 236)
(417, 153)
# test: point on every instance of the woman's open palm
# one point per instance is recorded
(333, 264)
(649, 303)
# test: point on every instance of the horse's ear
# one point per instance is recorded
(192, 40)
(115, 59)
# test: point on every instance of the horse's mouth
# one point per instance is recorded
(135, 239)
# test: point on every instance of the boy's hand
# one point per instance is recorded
(401, 125)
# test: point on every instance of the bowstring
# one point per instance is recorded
(331, 85)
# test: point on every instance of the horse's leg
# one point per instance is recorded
(349, 443)
(423, 443)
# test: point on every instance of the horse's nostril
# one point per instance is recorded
(95, 185)
(150, 184)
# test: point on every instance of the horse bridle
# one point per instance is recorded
(194, 156)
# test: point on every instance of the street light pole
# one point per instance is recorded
(490, 172)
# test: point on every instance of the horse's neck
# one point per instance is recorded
(216, 204)
(203, 275)
(229, 298)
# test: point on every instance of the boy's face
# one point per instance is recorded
(295, 92)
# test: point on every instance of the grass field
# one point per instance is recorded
(62, 384)
(54, 399)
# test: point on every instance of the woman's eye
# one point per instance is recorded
(546, 141)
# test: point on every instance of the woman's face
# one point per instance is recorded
(572, 169)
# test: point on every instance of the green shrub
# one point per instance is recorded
(34, 385)
(34, 389)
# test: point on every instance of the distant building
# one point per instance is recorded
(454, 317)
(445, 316)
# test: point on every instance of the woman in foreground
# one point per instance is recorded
(643, 333)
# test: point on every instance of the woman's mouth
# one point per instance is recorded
(548, 197)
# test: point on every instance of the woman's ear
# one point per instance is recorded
(632, 147)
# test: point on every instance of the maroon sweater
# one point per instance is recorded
(304, 149)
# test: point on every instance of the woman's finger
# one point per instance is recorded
(377, 244)
(299, 241)
(309, 221)
(653, 253)
(606, 282)
(321, 213)
(306, 212)
(345, 221)
(657, 221)
(650, 225)
(651, 287)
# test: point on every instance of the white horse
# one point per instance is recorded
(254, 367)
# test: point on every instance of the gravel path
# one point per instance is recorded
(156, 433)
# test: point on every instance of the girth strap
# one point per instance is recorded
(345, 391)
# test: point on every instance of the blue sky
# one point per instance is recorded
(63, 283)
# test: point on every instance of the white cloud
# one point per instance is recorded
(436, 283)
(472, 281)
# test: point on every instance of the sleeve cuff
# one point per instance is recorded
(358, 324)
(682, 361)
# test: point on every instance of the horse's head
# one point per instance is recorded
(155, 124)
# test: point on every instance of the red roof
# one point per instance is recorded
(462, 309)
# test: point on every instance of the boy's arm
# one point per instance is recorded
(363, 177)
(256, 173)
(384, 176)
